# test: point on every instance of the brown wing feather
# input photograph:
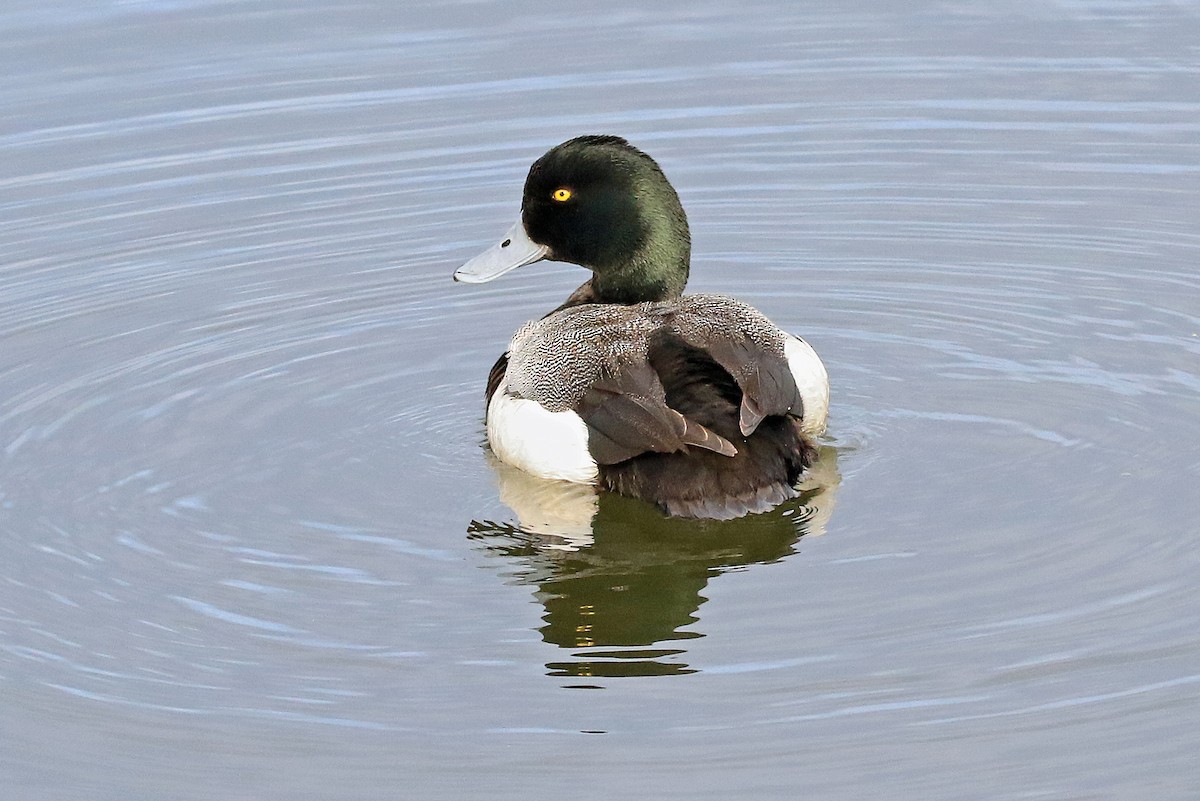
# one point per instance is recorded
(627, 415)
(765, 379)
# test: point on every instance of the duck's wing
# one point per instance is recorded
(768, 387)
(750, 348)
(627, 415)
(591, 360)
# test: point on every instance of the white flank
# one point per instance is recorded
(811, 380)
(540, 442)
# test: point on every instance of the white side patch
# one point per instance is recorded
(540, 442)
(811, 380)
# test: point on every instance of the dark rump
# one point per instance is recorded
(699, 482)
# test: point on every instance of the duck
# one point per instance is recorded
(697, 404)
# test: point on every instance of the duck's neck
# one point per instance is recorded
(635, 286)
(638, 285)
(658, 267)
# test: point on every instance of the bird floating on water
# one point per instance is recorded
(696, 403)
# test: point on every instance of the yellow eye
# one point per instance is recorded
(561, 195)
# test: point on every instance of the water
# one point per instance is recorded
(251, 545)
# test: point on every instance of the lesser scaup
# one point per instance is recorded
(698, 403)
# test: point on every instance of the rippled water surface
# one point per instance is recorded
(252, 547)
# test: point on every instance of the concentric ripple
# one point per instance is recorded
(244, 497)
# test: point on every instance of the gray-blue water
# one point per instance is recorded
(252, 546)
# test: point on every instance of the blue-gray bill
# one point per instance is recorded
(514, 250)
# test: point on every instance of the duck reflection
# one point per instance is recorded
(621, 584)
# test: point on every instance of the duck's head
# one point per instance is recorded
(599, 202)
